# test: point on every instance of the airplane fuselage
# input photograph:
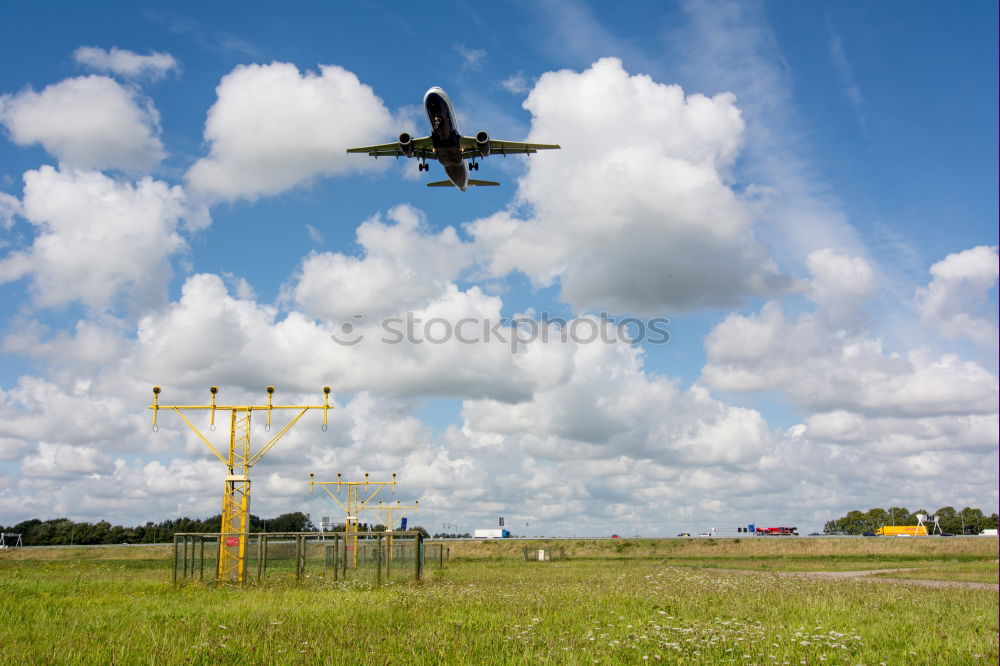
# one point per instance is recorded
(446, 144)
(446, 137)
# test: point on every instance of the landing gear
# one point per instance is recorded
(473, 166)
(423, 166)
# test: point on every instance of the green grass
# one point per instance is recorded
(487, 612)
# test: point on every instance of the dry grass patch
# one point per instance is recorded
(74, 553)
(734, 548)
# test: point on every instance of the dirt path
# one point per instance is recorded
(873, 575)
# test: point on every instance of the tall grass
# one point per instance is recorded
(492, 612)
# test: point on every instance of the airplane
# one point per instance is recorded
(447, 145)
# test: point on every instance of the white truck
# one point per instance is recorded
(499, 533)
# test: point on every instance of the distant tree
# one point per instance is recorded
(24, 528)
(950, 520)
(901, 516)
(101, 531)
(418, 528)
(337, 527)
(115, 535)
(291, 522)
(856, 522)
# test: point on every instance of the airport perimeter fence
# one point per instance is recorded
(372, 558)
(544, 554)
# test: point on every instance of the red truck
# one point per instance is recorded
(777, 531)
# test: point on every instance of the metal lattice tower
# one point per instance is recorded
(388, 512)
(236, 497)
(354, 503)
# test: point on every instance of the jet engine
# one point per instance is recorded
(483, 143)
(406, 144)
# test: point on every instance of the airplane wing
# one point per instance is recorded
(422, 147)
(472, 183)
(469, 148)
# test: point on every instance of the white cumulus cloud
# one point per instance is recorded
(59, 461)
(126, 63)
(634, 213)
(840, 284)
(273, 127)
(97, 239)
(857, 393)
(88, 122)
(954, 303)
(403, 267)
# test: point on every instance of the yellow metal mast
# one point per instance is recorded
(389, 512)
(236, 498)
(355, 504)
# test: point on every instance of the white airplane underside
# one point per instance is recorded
(447, 145)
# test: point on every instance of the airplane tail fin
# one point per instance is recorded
(476, 183)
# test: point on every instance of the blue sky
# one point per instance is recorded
(807, 191)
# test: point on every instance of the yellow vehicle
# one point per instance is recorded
(902, 530)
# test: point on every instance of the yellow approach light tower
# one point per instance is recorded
(356, 501)
(236, 499)
(388, 513)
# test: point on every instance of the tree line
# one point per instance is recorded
(966, 521)
(65, 532)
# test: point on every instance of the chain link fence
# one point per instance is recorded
(365, 557)
(544, 554)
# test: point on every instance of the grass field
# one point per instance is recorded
(493, 608)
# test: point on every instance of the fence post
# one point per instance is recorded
(302, 553)
(263, 560)
(260, 555)
(298, 557)
(418, 554)
(201, 559)
(336, 556)
(378, 561)
(175, 559)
